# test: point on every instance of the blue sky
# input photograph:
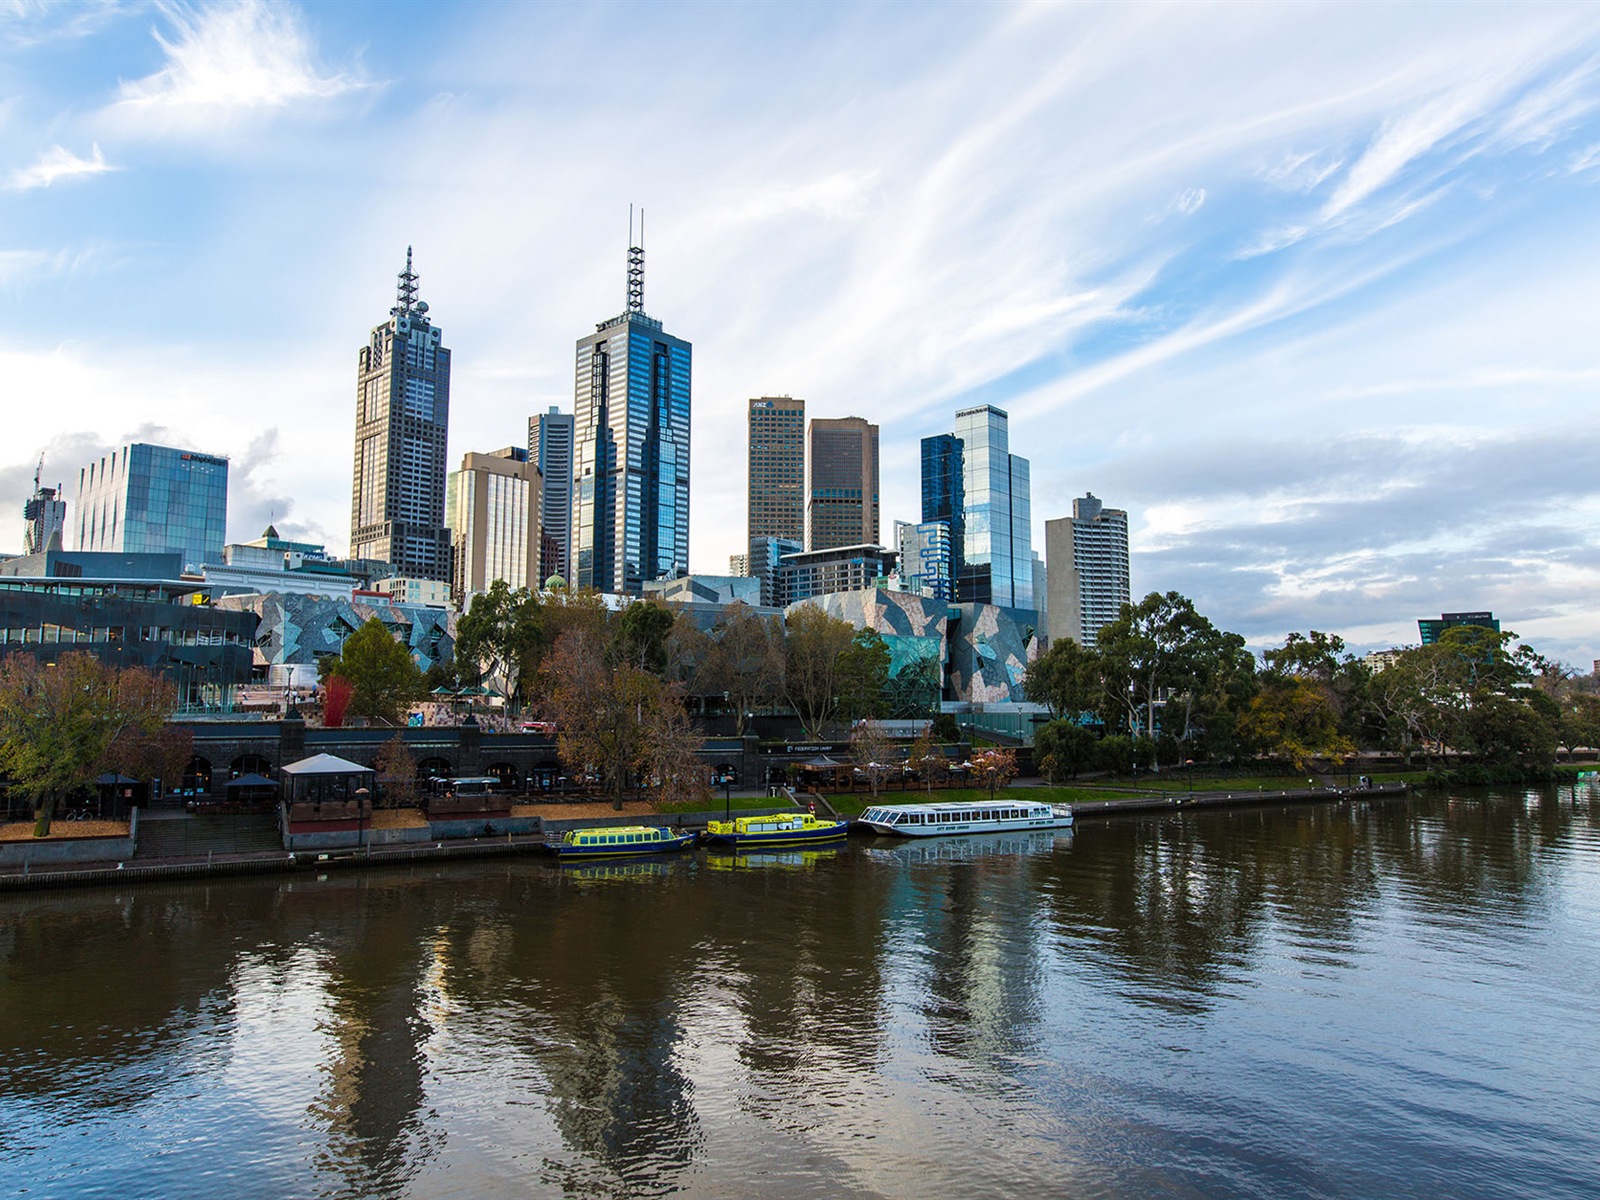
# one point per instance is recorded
(1309, 290)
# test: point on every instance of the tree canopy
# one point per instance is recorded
(383, 676)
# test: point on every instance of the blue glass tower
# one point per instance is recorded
(144, 499)
(997, 541)
(630, 502)
(942, 491)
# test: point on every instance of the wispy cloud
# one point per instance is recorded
(58, 163)
(232, 58)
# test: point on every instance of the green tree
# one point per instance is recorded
(1068, 679)
(1063, 749)
(642, 633)
(863, 676)
(502, 638)
(814, 644)
(60, 721)
(383, 675)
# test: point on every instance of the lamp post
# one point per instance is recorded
(727, 796)
(1189, 763)
(362, 795)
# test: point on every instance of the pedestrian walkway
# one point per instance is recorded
(203, 837)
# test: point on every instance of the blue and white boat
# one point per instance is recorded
(976, 816)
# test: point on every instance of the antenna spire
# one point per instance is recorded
(38, 471)
(406, 301)
(635, 264)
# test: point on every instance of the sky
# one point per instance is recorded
(1307, 289)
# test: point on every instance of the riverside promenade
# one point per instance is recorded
(175, 845)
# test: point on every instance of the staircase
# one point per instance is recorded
(202, 837)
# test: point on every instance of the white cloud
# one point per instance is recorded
(58, 163)
(254, 54)
(1189, 201)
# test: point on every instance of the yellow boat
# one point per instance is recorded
(774, 829)
(617, 841)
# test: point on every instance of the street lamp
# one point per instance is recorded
(1189, 763)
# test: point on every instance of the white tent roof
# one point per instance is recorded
(325, 764)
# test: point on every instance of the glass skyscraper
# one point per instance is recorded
(942, 492)
(630, 520)
(145, 499)
(997, 538)
(402, 420)
(550, 449)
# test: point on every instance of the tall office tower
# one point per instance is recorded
(765, 563)
(925, 558)
(942, 495)
(493, 506)
(45, 517)
(144, 499)
(997, 534)
(550, 449)
(777, 506)
(402, 420)
(630, 519)
(1087, 563)
(841, 483)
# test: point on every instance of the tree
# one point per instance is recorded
(1295, 720)
(642, 633)
(1062, 749)
(503, 637)
(383, 676)
(396, 773)
(863, 675)
(140, 754)
(927, 758)
(600, 710)
(871, 749)
(670, 754)
(1068, 679)
(813, 646)
(336, 693)
(745, 662)
(997, 765)
(59, 722)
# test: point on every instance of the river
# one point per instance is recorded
(1384, 998)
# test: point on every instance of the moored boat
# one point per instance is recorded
(775, 829)
(977, 816)
(618, 841)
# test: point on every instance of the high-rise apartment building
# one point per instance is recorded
(143, 499)
(777, 504)
(45, 518)
(841, 483)
(996, 557)
(493, 506)
(1087, 560)
(550, 438)
(402, 422)
(630, 519)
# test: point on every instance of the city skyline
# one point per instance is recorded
(1304, 290)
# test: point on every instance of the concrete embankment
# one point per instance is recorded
(1170, 801)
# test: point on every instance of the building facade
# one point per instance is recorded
(1087, 562)
(777, 469)
(1432, 629)
(926, 562)
(493, 506)
(997, 523)
(837, 569)
(143, 499)
(942, 491)
(550, 438)
(402, 421)
(44, 517)
(630, 520)
(841, 483)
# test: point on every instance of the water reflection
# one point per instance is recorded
(648, 1027)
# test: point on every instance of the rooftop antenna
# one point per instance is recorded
(406, 302)
(635, 264)
(38, 471)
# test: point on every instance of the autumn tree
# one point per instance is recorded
(670, 755)
(997, 766)
(396, 773)
(870, 750)
(813, 647)
(745, 662)
(59, 722)
(383, 676)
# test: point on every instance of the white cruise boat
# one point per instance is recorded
(976, 816)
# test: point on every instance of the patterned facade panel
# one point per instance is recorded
(297, 630)
(990, 649)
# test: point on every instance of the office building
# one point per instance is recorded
(493, 506)
(144, 499)
(996, 556)
(765, 561)
(777, 474)
(550, 450)
(1087, 567)
(841, 483)
(942, 494)
(402, 419)
(1432, 629)
(925, 558)
(44, 517)
(630, 519)
(835, 569)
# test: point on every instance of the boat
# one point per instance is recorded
(774, 829)
(617, 841)
(977, 816)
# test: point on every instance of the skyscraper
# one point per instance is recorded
(777, 504)
(630, 520)
(1087, 559)
(402, 421)
(550, 449)
(942, 493)
(841, 483)
(493, 505)
(996, 556)
(45, 517)
(925, 558)
(143, 499)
